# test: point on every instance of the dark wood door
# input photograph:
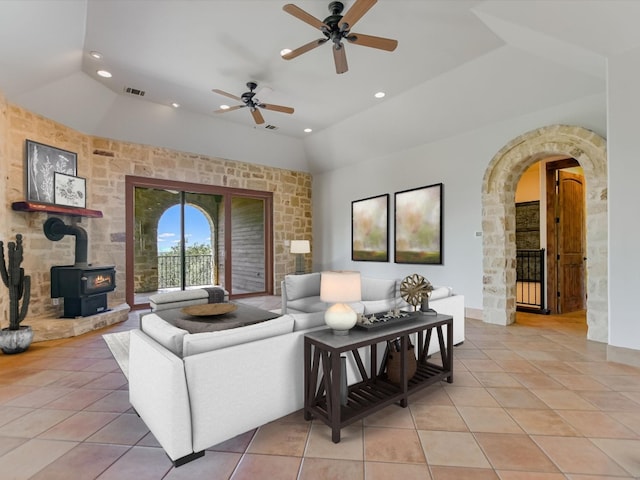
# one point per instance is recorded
(570, 242)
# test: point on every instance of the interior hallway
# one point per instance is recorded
(528, 402)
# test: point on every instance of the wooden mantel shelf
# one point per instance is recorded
(57, 209)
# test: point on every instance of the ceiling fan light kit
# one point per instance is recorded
(337, 28)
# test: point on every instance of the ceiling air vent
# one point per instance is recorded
(134, 91)
(270, 127)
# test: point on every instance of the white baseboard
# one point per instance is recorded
(627, 356)
(474, 313)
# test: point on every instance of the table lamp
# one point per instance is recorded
(338, 288)
(300, 247)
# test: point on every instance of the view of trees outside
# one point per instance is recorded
(198, 265)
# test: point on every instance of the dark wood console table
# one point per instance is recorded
(322, 371)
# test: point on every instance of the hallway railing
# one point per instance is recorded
(530, 281)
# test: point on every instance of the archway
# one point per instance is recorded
(498, 220)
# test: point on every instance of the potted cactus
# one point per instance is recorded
(15, 338)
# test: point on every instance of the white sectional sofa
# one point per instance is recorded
(196, 390)
(301, 293)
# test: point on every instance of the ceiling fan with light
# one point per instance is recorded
(336, 28)
(249, 100)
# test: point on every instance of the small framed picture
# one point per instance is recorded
(42, 162)
(69, 191)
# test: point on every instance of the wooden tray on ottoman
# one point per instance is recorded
(209, 309)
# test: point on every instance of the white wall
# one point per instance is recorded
(493, 88)
(624, 172)
(459, 163)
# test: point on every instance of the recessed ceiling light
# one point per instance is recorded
(96, 55)
(284, 51)
(104, 73)
(308, 130)
(225, 107)
(379, 95)
(175, 105)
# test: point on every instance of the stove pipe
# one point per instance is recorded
(55, 229)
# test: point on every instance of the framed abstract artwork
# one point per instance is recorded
(370, 229)
(42, 162)
(418, 225)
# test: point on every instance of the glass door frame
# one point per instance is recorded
(131, 182)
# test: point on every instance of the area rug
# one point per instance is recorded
(118, 343)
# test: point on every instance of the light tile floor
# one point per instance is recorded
(532, 401)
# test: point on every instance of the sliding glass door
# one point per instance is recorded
(182, 236)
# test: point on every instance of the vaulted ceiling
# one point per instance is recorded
(459, 64)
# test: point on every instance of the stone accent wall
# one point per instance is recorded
(498, 219)
(4, 219)
(105, 163)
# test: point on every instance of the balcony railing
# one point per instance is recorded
(198, 269)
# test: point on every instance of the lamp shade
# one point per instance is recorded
(340, 287)
(300, 246)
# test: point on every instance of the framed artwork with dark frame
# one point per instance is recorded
(69, 190)
(418, 225)
(42, 162)
(370, 229)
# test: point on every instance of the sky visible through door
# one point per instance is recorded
(197, 230)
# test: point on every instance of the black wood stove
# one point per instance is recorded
(84, 287)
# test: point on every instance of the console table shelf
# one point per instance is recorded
(56, 209)
(324, 372)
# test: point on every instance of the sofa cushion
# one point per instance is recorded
(179, 296)
(308, 304)
(301, 286)
(304, 321)
(195, 343)
(377, 289)
(167, 335)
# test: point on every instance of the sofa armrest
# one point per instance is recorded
(158, 392)
(283, 289)
(454, 306)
